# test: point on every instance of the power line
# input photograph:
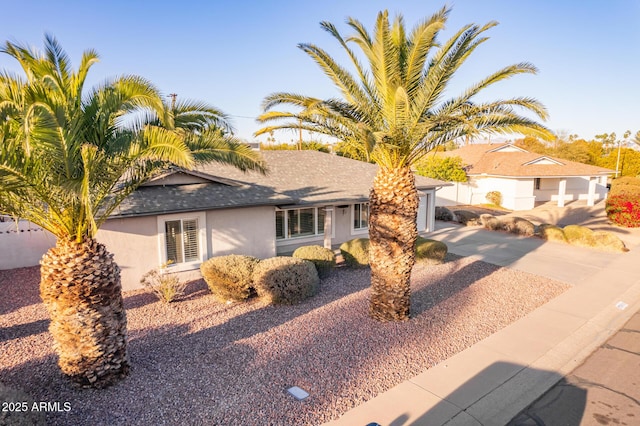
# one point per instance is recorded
(241, 116)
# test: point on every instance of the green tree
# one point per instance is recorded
(393, 112)
(306, 146)
(532, 144)
(68, 157)
(608, 141)
(572, 151)
(448, 169)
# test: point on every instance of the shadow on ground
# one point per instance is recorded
(474, 408)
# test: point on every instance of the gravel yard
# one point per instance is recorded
(197, 361)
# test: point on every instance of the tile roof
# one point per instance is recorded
(294, 178)
(488, 159)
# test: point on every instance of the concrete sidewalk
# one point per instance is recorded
(494, 380)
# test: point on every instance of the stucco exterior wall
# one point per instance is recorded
(248, 231)
(134, 244)
(23, 245)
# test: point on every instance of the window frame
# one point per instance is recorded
(201, 240)
(286, 229)
(361, 229)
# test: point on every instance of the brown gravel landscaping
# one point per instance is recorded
(198, 361)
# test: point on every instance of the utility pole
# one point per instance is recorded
(300, 128)
(626, 135)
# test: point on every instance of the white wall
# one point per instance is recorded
(517, 194)
(453, 195)
(577, 189)
(24, 245)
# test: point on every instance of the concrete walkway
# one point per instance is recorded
(493, 381)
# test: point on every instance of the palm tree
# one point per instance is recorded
(67, 159)
(393, 112)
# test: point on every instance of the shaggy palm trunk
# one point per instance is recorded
(80, 286)
(393, 206)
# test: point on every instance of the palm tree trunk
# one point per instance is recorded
(393, 207)
(80, 286)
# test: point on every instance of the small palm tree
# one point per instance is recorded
(393, 112)
(67, 159)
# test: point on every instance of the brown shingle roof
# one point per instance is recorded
(294, 178)
(488, 159)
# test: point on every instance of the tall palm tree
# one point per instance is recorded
(393, 111)
(67, 159)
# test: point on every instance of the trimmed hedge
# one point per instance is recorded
(606, 240)
(551, 233)
(285, 280)
(584, 237)
(513, 224)
(355, 252)
(490, 222)
(625, 184)
(623, 202)
(624, 209)
(467, 217)
(430, 251)
(323, 258)
(444, 214)
(229, 277)
(517, 225)
(579, 235)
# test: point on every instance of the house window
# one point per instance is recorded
(280, 224)
(182, 239)
(296, 223)
(361, 216)
(537, 183)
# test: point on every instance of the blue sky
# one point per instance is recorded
(232, 54)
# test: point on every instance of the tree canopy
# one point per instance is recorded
(393, 108)
(70, 155)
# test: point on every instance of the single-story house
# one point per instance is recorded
(522, 177)
(186, 217)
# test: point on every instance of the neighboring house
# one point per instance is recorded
(522, 177)
(186, 217)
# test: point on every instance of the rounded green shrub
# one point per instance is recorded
(494, 197)
(490, 222)
(579, 235)
(430, 251)
(608, 241)
(323, 258)
(467, 217)
(285, 280)
(551, 233)
(444, 214)
(355, 252)
(517, 225)
(229, 277)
